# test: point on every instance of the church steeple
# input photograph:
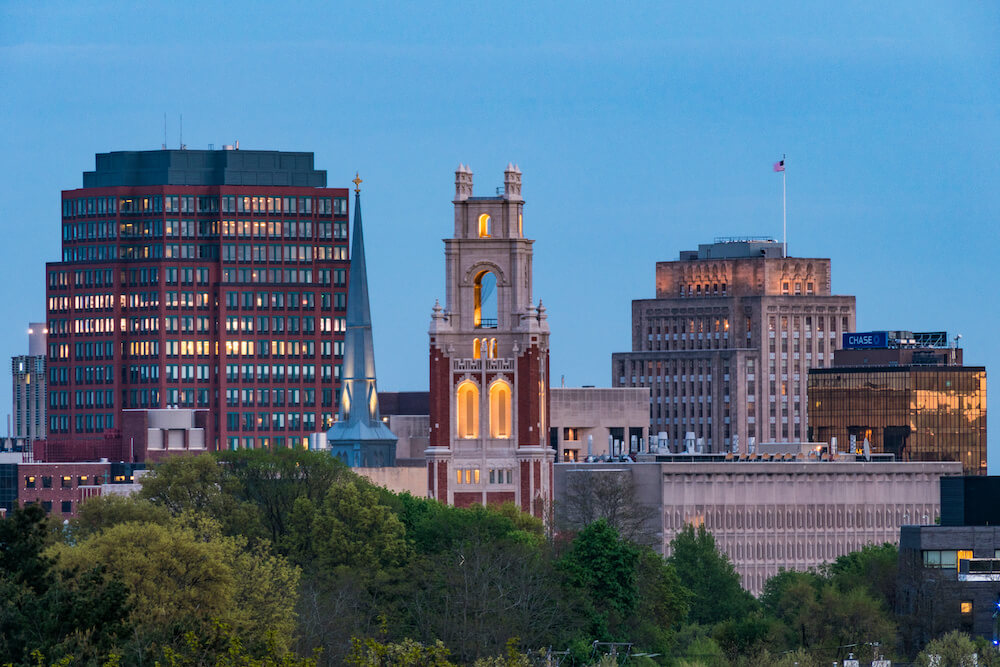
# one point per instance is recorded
(359, 436)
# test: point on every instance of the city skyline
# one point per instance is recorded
(660, 127)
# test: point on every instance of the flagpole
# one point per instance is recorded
(784, 212)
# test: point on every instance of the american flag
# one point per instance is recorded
(779, 165)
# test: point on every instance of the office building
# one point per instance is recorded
(949, 574)
(727, 342)
(904, 393)
(202, 279)
(772, 513)
(28, 373)
(489, 360)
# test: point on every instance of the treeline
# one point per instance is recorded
(288, 558)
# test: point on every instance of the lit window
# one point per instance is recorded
(485, 301)
(484, 226)
(966, 606)
(475, 349)
(468, 476)
(500, 410)
(458, 476)
(475, 474)
(963, 555)
(468, 410)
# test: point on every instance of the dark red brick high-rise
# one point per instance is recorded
(204, 279)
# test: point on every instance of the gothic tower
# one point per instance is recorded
(489, 360)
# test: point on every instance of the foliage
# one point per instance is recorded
(102, 512)
(220, 646)
(611, 496)
(710, 577)
(71, 617)
(184, 576)
(407, 653)
(955, 649)
(603, 568)
(873, 568)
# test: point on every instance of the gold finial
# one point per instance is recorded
(357, 182)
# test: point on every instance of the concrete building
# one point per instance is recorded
(489, 360)
(28, 373)
(949, 574)
(727, 342)
(359, 437)
(903, 393)
(202, 279)
(598, 421)
(770, 514)
(409, 418)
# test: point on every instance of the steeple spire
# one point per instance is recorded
(360, 425)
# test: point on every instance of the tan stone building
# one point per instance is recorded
(768, 515)
(598, 421)
(726, 345)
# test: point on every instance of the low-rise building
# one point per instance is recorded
(949, 574)
(598, 421)
(771, 512)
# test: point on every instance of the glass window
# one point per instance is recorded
(500, 410)
(468, 410)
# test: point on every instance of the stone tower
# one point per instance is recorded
(489, 360)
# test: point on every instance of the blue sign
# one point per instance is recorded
(866, 339)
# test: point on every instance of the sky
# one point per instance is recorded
(642, 129)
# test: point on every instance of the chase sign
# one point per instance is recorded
(866, 339)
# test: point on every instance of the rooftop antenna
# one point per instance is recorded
(164, 130)
(182, 132)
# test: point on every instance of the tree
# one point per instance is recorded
(603, 568)
(272, 482)
(349, 528)
(954, 649)
(710, 576)
(874, 567)
(609, 495)
(407, 653)
(663, 603)
(100, 512)
(200, 484)
(79, 617)
(185, 576)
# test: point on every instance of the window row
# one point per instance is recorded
(82, 206)
(498, 409)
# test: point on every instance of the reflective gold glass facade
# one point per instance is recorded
(917, 413)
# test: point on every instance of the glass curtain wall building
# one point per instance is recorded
(918, 413)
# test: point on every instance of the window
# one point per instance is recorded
(966, 606)
(946, 560)
(29, 481)
(485, 301)
(67, 507)
(500, 410)
(484, 226)
(476, 351)
(468, 410)
(963, 555)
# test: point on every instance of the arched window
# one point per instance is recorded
(476, 352)
(485, 301)
(468, 410)
(500, 410)
(493, 348)
(520, 225)
(484, 226)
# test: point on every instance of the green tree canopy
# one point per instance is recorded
(710, 576)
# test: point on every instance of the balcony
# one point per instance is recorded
(486, 323)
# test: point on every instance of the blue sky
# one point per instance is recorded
(642, 129)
